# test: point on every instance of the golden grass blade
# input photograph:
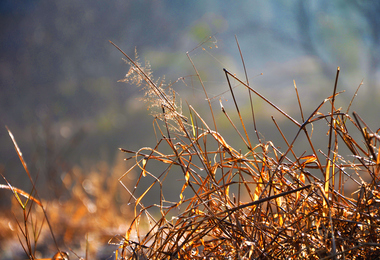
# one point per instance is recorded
(20, 156)
(17, 191)
(326, 188)
(192, 124)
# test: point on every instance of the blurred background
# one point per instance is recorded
(58, 72)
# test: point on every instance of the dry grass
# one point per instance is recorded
(90, 210)
(263, 203)
(251, 202)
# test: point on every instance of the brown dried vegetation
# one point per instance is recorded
(297, 207)
(263, 203)
(89, 211)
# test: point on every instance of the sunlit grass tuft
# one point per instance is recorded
(257, 201)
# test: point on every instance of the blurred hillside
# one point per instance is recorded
(58, 72)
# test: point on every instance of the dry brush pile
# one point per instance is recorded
(264, 203)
